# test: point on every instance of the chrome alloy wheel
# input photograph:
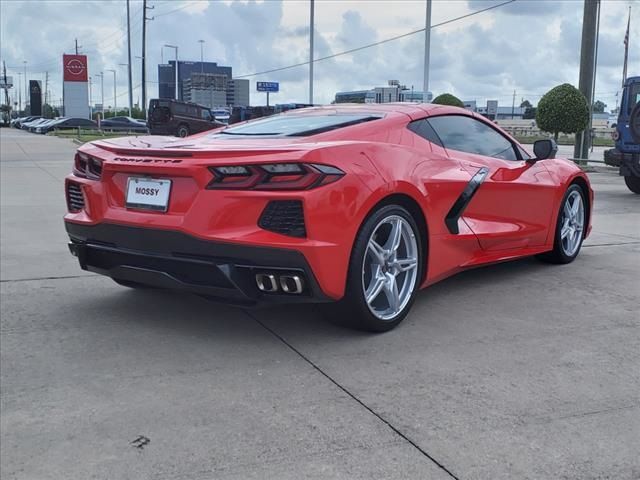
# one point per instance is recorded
(572, 223)
(390, 267)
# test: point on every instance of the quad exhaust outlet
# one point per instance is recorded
(273, 283)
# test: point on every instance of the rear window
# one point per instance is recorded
(297, 125)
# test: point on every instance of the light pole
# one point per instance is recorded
(130, 92)
(201, 42)
(427, 48)
(176, 49)
(102, 93)
(115, 108)
(311, 32)
(26, 90)
(19, 91)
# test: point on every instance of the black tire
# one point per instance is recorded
(128, 284)
(183, 131)
(353, 310)
(558, 255)
(633, 183)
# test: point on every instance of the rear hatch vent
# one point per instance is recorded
(75, 197)
(285, 217)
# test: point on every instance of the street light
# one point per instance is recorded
(176, 49)
(102, 92)
(26, 90)
(130, 92)
(19, 91)
(115, 108)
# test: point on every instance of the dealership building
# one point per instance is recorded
(393, 92)
(204, 83)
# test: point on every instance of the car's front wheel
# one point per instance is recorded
(569, 232)
(384, 271)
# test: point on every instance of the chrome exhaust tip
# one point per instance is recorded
(291, 284)
(266, 282)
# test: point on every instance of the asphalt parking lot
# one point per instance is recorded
(516, 371)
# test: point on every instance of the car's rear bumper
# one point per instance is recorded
(174, 260)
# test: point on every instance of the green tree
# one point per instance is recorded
(599, 106)
(562, 109)
(448, 99)
(526, 104)
(529, 113)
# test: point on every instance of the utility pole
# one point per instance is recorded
(144, 56)
(311, 32)
(19, 91)
(427, 48)
(513, 105)
(129, 61)
(26, 90)
(46, 86)
(587, 70)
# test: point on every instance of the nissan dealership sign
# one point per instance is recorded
(75, 90)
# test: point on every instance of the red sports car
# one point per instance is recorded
(355, 205)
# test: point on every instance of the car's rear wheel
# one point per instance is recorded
(569, 232)
(633, 183)
(384, 271)
(183, 131)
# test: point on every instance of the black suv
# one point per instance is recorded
(170, 117)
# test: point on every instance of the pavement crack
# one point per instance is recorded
(395, 429)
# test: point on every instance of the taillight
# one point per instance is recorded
(273, 176)
(87, 166)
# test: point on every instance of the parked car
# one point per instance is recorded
(44, 124)
(124, 124)
(626, 153)
(170, 117)
(17, 122)
(67, 124)
(33, 123)
(360, 206)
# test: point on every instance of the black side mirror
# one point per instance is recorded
(543, 149)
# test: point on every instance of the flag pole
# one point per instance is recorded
(626, 50)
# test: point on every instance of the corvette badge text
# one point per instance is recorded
(146, 160)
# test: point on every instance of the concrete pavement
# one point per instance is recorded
(521, 370)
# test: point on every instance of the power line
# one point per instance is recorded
(190, 4)
(375, 44)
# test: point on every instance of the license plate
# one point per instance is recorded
(148, 193)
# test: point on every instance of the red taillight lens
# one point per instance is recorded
(87, 166)
(273, 176)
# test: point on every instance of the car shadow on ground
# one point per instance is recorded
(190, 315)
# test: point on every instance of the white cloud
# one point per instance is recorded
(527, 46)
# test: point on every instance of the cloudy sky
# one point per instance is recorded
(528, 46)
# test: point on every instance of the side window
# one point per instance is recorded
(206, 115)
(466, 134)
(425, 130)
